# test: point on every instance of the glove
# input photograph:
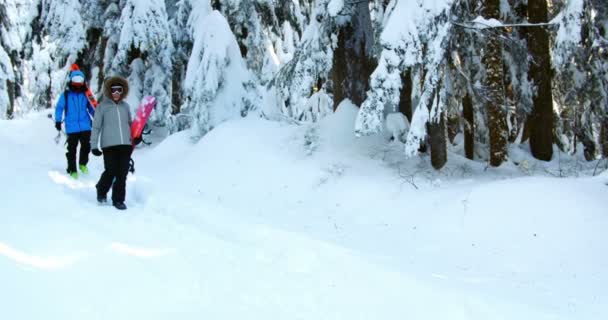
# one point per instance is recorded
(96, 152)
(58, 126)
(137, 140)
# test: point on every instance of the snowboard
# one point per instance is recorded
(141, 116)
(137, 127)
(88, 92)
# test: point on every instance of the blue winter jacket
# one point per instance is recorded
(78, 114)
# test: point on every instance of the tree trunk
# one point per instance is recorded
(494, 100)
(469, 126)
(604, 137)
(541, 119)
(437, 134)
(405, 100)
(13, 88)
(352, 62)
(46, 98)
(438, 142)
(11, 99)
(178, 77)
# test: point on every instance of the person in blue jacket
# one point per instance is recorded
(75, 110)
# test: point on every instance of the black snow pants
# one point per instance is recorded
(84, 137)
(116, 165)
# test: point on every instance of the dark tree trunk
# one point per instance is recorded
(541, 119)
(353, 62)
(46, 98)
(494, 100)
(437, 134)
(604, 137)
(438, 142)
(405, 101)
(13, 88)
(469, 126)
(177, 79)
(11, 99)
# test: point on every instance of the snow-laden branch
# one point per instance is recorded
(481, 23)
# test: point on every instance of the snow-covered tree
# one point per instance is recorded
(415, 35)
(494, 102)
(579, 58)
(65, 27)
(143, 54)
(441, 63)
(541, 119)
(7, 76)
(16, 40)
(267, 32)
(110, 39)
(353, 60)
(66, 38)
(308, 71)
(217, 84)
(182, 41)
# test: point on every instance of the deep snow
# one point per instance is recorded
(266, 220)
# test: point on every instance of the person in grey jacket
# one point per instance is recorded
(112, 133)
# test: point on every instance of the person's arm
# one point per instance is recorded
(96, 127)
(59, 108)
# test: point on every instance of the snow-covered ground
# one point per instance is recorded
(266, 220)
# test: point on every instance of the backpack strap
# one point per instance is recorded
(65, 97)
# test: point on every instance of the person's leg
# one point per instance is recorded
(107, 177)
(71, 154)
(122, 169)
(85, 148)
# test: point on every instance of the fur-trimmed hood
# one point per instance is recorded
(116, 81)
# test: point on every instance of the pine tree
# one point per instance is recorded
(16, 39)
(183, 48)
(217, 82)
(109, 40)
(493, 85)
(353, 60)
(595, 52)
(308, 71)
(267, 32)
(465, 67)
(541, 119)
(7, 76)
(66, 29)
(64, 38)
(90, 59)
(415, 41)
(144, 52)
(580, 86)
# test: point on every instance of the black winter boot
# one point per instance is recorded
(120, 205)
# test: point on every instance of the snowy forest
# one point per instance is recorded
(493, 73)
(304, 159)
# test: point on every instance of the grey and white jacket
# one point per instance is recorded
(112, 120)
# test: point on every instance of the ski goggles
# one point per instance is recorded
(116, 89)
(78, 79)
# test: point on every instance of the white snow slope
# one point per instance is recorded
(264, 220)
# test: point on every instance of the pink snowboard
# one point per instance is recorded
(141, 116)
